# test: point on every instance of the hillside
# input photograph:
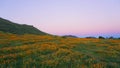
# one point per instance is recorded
(36, 51)
(10, 27)
(21, 48)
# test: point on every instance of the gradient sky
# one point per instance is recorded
(66, 17)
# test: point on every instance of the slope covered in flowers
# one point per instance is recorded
(35, 51)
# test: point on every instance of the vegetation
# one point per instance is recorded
(24, 46)
(10, 27)
(36, 51)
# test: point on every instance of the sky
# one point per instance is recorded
(66, 17)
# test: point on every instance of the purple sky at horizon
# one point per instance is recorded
(66, 17)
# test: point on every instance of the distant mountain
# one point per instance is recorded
(10, 27)
(69, 36)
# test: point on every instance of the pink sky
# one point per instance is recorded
(61, 17)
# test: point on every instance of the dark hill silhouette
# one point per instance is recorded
(69, 36)
(10, 27)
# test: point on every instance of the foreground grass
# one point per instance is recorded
(34, 51)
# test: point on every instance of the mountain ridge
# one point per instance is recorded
(15, 28)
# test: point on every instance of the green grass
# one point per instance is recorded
(34, 51)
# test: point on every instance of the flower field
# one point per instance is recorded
(45, 51)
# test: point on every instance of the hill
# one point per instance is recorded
(10, 27)
(69, 36)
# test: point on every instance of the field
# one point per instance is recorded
(36, 51)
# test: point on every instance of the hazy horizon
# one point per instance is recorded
(66, 17)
